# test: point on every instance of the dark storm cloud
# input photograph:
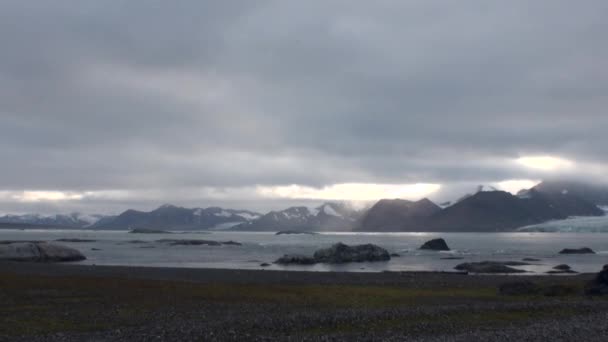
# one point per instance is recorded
(136, 95)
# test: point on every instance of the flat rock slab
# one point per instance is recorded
(491, 267)
(39, 252)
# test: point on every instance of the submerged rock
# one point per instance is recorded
(452, 258)
(584, 250)
(435, 245)
(530, 259)
(297, 259)
(341, 253)
(39, 252)
(490, 267)
(264, 264)
(599, 285)
(395, 255)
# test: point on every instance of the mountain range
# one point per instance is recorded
(327, 217)
(486, 210)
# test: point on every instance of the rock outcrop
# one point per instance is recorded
(39, 252)
(435, 245)
(584, 250)
(599, 285)
(339, 254)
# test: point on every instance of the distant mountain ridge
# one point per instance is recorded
(594, 193)
(73, 220)
(328, 216)
(485, 211)
(173, 217)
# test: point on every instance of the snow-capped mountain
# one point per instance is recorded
(73, 220)
(328, 216)
(172, 217)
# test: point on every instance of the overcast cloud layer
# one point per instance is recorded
(136, 103)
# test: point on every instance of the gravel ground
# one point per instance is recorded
(87, 303)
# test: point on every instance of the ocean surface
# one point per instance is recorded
(119, 248)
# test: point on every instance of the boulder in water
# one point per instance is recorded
(435, 245)
(584, 250)
(341, 253)
(39, 252)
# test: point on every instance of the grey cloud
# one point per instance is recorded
(146, 94)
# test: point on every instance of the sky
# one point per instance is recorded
(109, 105)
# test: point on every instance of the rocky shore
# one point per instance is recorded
(56, 302)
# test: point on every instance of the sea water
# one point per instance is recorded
(119, 248)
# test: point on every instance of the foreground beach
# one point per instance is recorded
(48, 302)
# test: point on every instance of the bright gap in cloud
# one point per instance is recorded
(350, 191)
(545, 163)
(515, 185)
(38, 196)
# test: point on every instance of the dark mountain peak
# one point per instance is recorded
(394, 214)
(393, 202)
(596, 193)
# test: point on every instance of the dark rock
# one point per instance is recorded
(264, 264)
(488, 267)
(562, 267)
(231, 243)
(530, 259)
(395, 255)
(435, 245)
(173, 242)
(452, 258)
(290, 232)
(584, 250)
(74, 240)
(289, 259)
(341, 253)
(39, 252)
(599, 285)
(136, 241)
(519, 288)
(148, 231)
(95, 249)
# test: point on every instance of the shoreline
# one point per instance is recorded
(269, 276)
(59, 302)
